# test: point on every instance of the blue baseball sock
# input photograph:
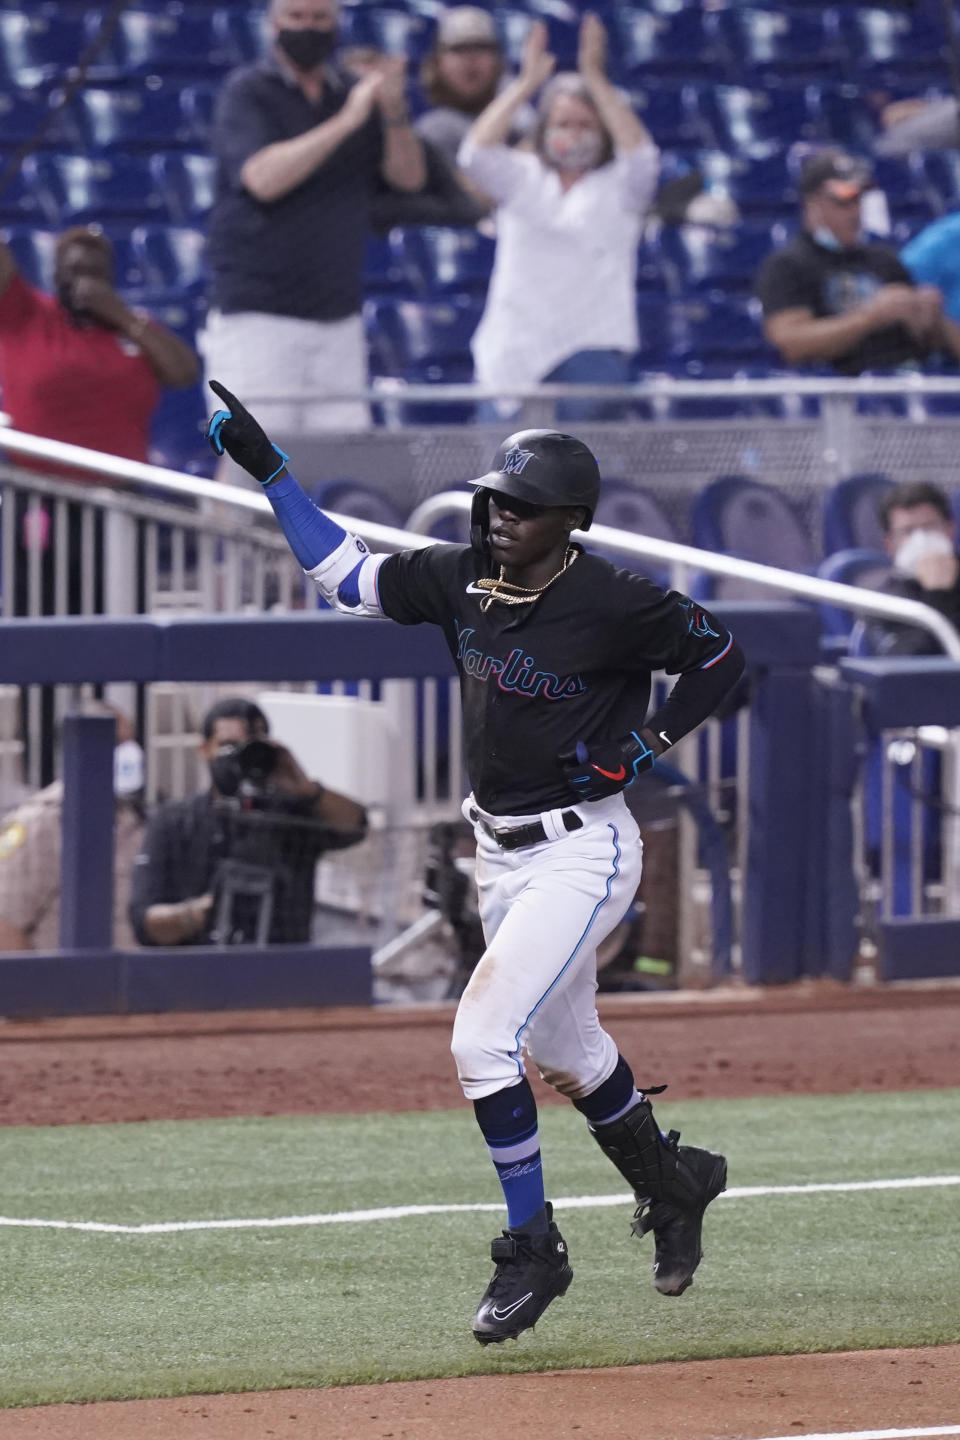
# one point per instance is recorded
(508, 1120)
(613, 1098)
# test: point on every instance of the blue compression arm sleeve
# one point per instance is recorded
(311, 534)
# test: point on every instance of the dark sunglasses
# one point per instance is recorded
(522, 509)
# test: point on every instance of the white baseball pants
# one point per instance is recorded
(544, 910)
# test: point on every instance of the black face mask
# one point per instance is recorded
(306, 49)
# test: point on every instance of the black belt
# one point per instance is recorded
(518, 837)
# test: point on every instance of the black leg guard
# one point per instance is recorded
(673, 1185)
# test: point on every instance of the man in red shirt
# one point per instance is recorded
(80, 365)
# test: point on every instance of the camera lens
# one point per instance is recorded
(257, 760)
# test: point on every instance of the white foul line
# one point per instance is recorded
(874, 1434)
(403, 1212)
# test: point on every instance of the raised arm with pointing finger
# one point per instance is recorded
(555, 650)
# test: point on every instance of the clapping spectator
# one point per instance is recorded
(562, 304)
(831, 296)
(301, 147)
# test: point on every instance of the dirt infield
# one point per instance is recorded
(816, 1038)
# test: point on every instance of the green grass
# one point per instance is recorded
(85, 1316)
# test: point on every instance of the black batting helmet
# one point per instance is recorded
(542, 467)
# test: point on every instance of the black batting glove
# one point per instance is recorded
(606, 768)
(244, 440)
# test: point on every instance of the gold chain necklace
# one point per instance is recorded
(510, 594)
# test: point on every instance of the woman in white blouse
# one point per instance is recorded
(562, 299)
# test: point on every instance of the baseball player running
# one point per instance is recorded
(555, 649)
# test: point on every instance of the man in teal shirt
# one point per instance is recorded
(933, 258)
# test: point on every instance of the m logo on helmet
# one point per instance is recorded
(515, 460)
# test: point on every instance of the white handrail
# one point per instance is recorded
(116, 468)
(847, 597)
(807, 587)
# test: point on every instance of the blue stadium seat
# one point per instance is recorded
(127, 265)
(941, 172)
(775, 41)
(243, 32)
(454, 527)
(359, 501)
(684, 43)
(653, 318)
(562, 21)
(891, 40)
(437, 260)
(178, 39)
(866, 568)
(625, 506)
(132, 118)
(652, 273)
(405, 333)
(743, 120)
(761, 185)
(673, 115)
(177, 432)
(80, 189)
(727, 260)
(735, 515)
(171, 257)
(33, 252)
(22, 203)
(905, 184)
(712, 328)
(40, 46)
(850, 519)
(198, 105)
(383, 272)
(424, 343)
(21, 115)
(723, 407)
(187, 182)
(843, 116)
(394, 29)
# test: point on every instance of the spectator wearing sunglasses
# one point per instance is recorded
(833, 297)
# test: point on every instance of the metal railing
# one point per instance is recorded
(684, 561)
(219, 557)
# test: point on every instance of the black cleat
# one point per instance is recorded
(531, 1271)
(673, 1185)
(676, 1229)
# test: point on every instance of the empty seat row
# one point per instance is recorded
(38, 43)
(59, 190)
(161, 259)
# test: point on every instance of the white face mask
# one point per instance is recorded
(127, 769)
(568, 151)
(919, 544)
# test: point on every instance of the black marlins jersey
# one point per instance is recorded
(535, 679)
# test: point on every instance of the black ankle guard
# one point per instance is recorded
(652, 1165)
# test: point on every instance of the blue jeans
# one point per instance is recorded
(585, 367)
(592, 367)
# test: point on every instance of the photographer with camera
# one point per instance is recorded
(235, 864)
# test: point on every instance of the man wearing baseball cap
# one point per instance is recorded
(461, 75)
(830, 296)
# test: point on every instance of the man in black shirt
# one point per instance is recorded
(555, 650)
(830, 296)
(235, 864)
(301, 150)
(920, 536)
